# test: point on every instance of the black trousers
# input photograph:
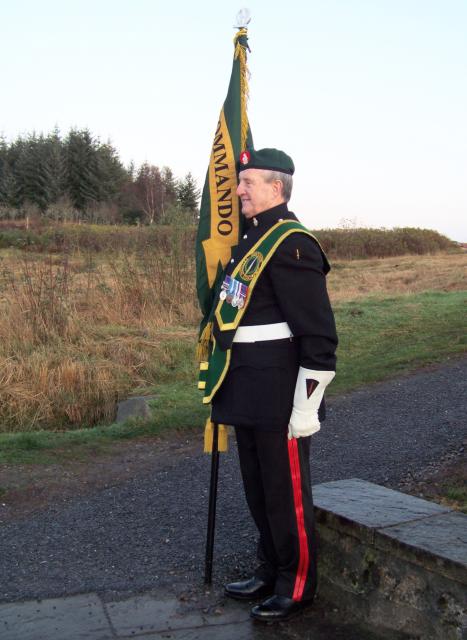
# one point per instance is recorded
(276, 477)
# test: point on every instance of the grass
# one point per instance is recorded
(81, 331)
(456, 497)
(457, 494)
(355, 279)
(76, 335)
(379, 339)
(177, 407)
(446, 485)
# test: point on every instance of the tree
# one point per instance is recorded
(188, 195)
(7, 182)
(81, 170)
(15, 163)
(111, 174)
(169, 190)
(55, 166)
(149, 192)
(79, 177)
(33, 173)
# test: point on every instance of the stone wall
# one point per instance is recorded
(396, 563)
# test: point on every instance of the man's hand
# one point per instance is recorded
(302, 424)
(309, 392)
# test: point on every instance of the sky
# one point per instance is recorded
(369, 97)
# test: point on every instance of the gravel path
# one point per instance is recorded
(149, 532)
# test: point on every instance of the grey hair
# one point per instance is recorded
(285, 178)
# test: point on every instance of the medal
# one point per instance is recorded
(250, 265)
(233, 292)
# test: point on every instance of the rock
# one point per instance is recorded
(137, 407)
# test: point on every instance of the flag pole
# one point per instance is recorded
(212, 505)
(219, 231)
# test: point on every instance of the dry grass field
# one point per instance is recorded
(79, 332)
(82, 330)
(354, 279)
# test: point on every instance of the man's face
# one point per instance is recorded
(256, 194)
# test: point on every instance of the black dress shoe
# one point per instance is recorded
(249, 589)
(278, 608)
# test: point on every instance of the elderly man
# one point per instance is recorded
(281, 343)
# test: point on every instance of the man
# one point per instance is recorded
(282, 356)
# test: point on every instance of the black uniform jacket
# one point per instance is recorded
(259, 387)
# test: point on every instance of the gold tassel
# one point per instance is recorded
(240, 52)
(204, 341)
(223, 439)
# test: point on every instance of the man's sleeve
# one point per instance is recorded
(297, 271)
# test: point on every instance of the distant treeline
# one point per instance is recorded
(79, 178)
(42, 236)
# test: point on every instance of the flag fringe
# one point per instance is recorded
(223, 437)
(240, 53)
(203, 348)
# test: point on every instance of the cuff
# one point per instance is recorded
(309, 392)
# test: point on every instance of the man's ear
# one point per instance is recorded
(278, 187)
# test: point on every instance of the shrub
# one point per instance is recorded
(349, 244)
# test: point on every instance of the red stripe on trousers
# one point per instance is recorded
(304, 559)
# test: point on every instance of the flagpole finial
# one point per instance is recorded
(243, 19)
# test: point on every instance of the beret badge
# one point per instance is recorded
(245, 157)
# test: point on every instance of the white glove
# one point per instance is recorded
(309, 392)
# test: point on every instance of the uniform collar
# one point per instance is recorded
(268, 218)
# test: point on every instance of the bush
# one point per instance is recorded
(349, 244)
(344, 244)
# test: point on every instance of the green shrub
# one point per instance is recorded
(344, 244)
(349, 244)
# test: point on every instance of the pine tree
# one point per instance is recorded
(79, 173)
(55, 165)
(6, 178)
(188, 195)
(81, 170)
(15, 155)
(111, 174)
(32, 170)
(169, 190)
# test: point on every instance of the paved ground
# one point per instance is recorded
(156, 615)
(146, 535)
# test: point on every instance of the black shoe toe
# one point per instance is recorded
(278, 608)
(249, 589)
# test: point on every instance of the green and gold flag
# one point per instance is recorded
(220, 222)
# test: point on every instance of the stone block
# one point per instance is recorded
(395, 561)
(137, 407)
(77, 617)
(146, 614)
(360, 508)
(438, 543)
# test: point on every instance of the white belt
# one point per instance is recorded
(260, 332)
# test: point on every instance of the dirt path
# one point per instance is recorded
(30, 488)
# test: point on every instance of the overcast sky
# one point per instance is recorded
(369, 97)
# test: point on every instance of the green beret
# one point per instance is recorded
(271, 159)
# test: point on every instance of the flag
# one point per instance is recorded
(220, 223)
